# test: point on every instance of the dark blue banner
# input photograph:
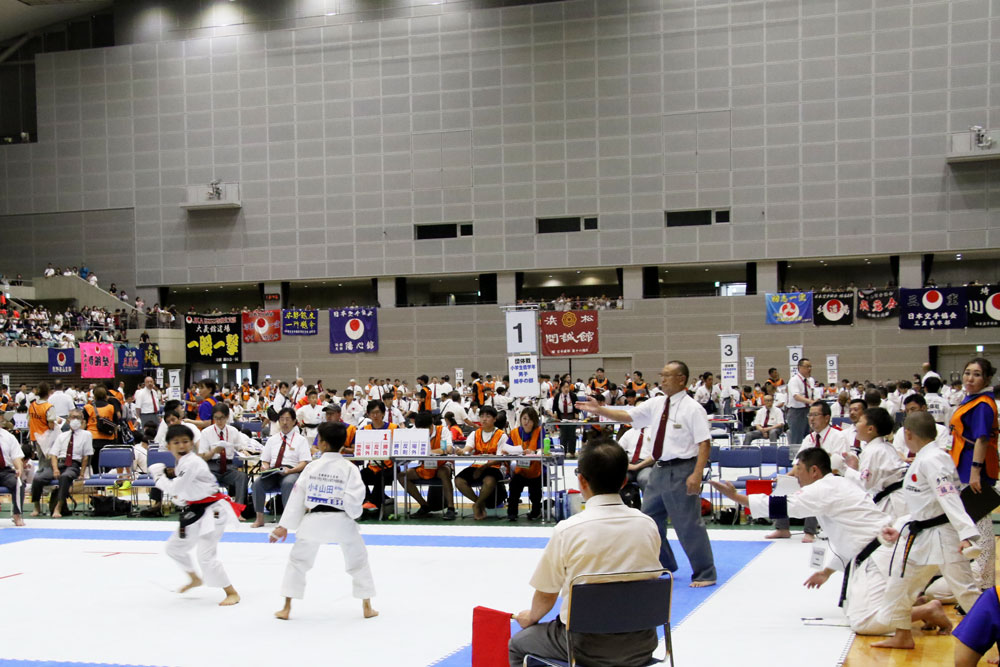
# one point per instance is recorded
(353, 330)
(129, 360)
(933, 308)
(62, 361)
(299, 322)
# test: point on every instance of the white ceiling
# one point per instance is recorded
(17, 18)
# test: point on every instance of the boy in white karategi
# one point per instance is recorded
(324, 504)
(878, 470)
(936, 532)
(207, 513)
(852, 523)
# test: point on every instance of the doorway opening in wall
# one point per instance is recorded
(950, 360)
(224, 375)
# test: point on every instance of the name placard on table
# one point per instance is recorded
(386, 444)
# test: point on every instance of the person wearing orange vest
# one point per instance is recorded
(424, 395)
(206, 394)
(332, 415)
(41, 419)
(638, 385)
(599, 383)
(104, 409)
(377, 474)
(478, 389)
(486, 440)
(440, 444)
(974, 451)
(527, 436)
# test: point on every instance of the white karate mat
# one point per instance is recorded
(113, 577)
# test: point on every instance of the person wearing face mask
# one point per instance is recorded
(69, 455)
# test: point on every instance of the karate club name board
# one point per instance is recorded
(213, 339)
(569, 333)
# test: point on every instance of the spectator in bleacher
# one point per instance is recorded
(49, 271)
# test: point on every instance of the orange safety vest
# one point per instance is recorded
(959, 440)
(376, 466)
(487, 447)
(598, 385)
(117, 394)
(106, 411)
(480, 392)
(431, 473)
(535, 469)
(426, 402)
(639, 388)
(37, 422)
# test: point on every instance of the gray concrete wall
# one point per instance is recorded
(436, 340)
(821, 124)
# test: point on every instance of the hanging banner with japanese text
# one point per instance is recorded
(789, 307)
(878, 304)
(984, 306)
(353, 330)
(213, 339)
(97, 360)
(61, 361)
(262, 326)
(129, 360)
(569, 333)
(150, 354)
(833, 308)
(932, 308)
(299, 322)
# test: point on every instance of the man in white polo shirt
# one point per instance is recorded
(148, 401)
(799, 399)
(681, 445)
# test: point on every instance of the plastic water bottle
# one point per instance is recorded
(546, 445)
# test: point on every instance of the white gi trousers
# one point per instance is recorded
(901, 592)
(317, 529)
(203, 536)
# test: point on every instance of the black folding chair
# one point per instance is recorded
(615, 603)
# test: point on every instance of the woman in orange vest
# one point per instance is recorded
(527, 436)
(41, 415)
(377, 473)
(457, 435)
(974, 451)
(440, 445)
(100, 408)
(486, 440)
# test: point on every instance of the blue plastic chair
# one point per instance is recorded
(742, 457)
(109, 459)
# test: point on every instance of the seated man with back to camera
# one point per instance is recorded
(606, 537)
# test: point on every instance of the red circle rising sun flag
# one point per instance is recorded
(353, 330)
(833, 308)
(932, 299)
(984, 306)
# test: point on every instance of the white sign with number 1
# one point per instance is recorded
(521, 327)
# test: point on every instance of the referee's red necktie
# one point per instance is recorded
(638, 449)
(69, 451)
(281, 453)
(660, 432)
(767, 415)
(222, 457)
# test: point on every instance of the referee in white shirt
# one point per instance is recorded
(148, 402)
(681, 446)
(799, 400)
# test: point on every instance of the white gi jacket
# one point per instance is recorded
(330, 480)
(879, 466)
(843, 509)
(931, 489)
(193, 481)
